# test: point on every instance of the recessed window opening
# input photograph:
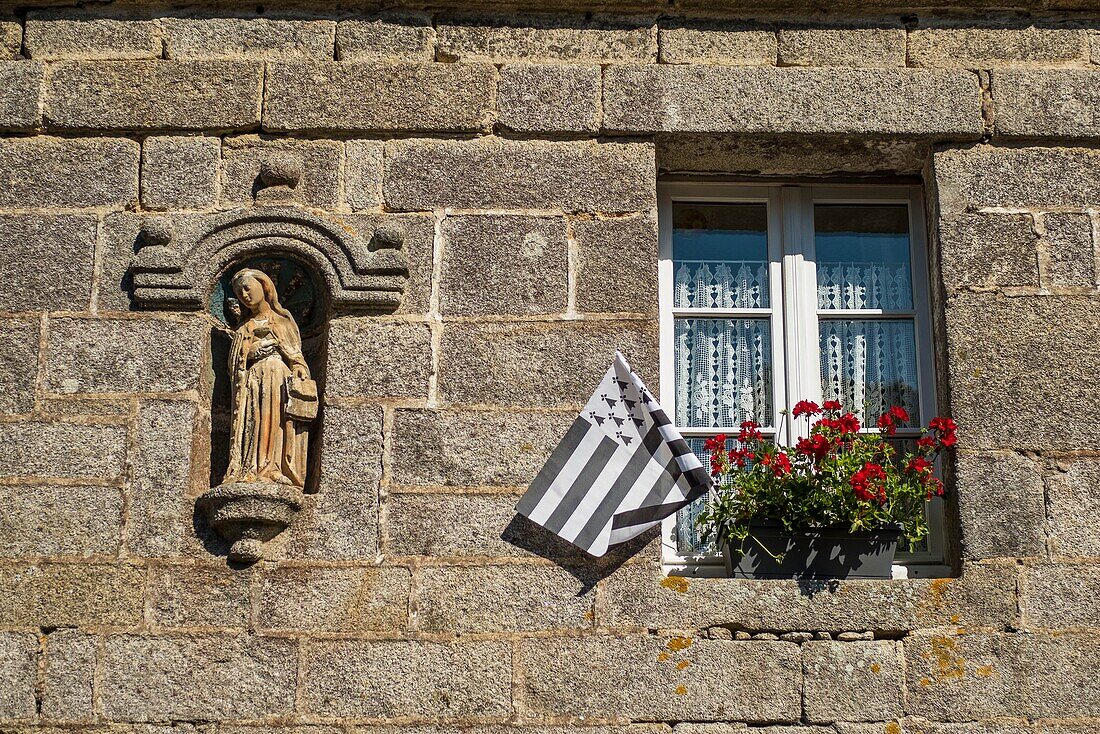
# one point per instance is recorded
(775, 293)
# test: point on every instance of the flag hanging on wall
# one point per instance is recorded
(620, 470)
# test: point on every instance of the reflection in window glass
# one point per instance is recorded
(869, 365)
(863, 257)
(720, 255)
(723, 372)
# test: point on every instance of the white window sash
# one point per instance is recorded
(794, 317)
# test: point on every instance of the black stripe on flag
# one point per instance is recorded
(652, 508)
(633, 469)
(586, 477)
(549, 472)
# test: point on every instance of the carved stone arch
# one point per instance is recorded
(363, 272)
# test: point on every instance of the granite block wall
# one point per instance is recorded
(520, 152)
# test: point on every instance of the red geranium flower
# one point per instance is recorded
(899, 413)
(919, 465)
(831, 405)
(781, 465)
(886, 424)
(715, 444)
(816, 446)
(926, 442)
(749, 432)
(849, 423)
(805, 407)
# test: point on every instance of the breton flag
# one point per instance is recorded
(620, 470)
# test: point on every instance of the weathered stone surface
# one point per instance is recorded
(853, 46)
(852, 681)
(18, 364)
(378, 359)
(778, 155)
(1015, 370)
(69, 675)
(563, 38)
(66, 595)
(248, 38)
(63, 248)
(408, 679)
(988, 251)
(450, 525)
(501, 599)
(616, 264)
(180, 172)
(52, 37)
(392, 35)
(58, 172)
(341, 521)
(11, 39)
(1074, 506)
(491, 173)
(378, 96)
(418, 247)
(18, 670)
(643, 678)
(209, 677)
(89, 355)
(70, 407)
(199, 596)
(363, 173)
(984, 676)
(1046, 103)
(1060, 597)
(1012, 484)
(985, 596)
(1070, 256)
(986, 175)
(319, 159)
(974, 46)
(20, 94)
(62, 450)
(67, 521)
(334, 599)
(676, 99)
(487, 363)
(715, 43)
(549, 98)
(504, 265)
(161, 476)
(153, 95)
(473, 448)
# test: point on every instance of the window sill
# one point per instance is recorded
(901, 572)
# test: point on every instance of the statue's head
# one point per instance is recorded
(253, 287)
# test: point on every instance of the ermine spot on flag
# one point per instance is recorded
(620, 470)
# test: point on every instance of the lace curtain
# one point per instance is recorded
(869, 365)
(723, 372)
(863, 285)
(729, 284)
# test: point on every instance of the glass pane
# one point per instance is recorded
(723, 372)
(687, 535)
(863, 256)
(869, 365)
(720, 255)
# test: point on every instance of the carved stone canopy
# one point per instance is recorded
(362, 271)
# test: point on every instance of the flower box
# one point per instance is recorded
(770, 552)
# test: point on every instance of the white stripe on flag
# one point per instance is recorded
(561, 484)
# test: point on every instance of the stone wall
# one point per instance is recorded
(521, 155)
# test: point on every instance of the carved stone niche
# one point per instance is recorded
(269, 279)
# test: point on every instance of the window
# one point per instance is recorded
(771, 294)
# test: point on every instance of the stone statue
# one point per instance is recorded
(274, 401)
(270, 438)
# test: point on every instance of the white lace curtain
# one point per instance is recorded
(869, 366)
(723, 372)
(864, 285)
(729, 284)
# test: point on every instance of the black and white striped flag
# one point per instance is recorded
(620, 470)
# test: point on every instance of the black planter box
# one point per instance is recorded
(826, 553)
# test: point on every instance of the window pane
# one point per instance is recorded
(720, 255)
(869, 365)
(863, 256)
(723, 372)
(687, 535)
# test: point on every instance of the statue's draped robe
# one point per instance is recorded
(267, 445)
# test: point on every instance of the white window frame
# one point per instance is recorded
(794, 326)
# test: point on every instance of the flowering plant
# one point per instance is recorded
(835, 476)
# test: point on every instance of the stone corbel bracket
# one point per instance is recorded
(363, 272)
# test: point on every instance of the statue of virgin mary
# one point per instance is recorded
(267, 444)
